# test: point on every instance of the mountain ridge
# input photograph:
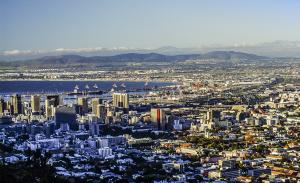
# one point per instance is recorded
(136, 57)
(269, 49)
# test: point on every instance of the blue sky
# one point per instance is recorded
(51, 24)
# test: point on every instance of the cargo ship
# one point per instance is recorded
(86, 91)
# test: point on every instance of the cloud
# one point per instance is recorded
(276, 49)
(78, 50)
(61, 51)
(122, 48)
(55, 51)
(17, 52)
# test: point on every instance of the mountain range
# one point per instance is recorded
(269, 49)
(133, 57)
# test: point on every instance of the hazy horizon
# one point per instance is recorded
(268, 49)
(62, 26)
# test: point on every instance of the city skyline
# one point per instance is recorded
(155, 91)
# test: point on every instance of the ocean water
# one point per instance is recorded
(28, 87)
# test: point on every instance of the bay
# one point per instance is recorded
(45, 86)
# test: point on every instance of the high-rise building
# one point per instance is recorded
(2, 106)
(121, 100)
(35, 103)
(66, 115)
(95, 103)
(101, 112)
(158, 118)
(83, 103)
(49, 107)
(16, 103)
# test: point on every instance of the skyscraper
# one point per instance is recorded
(101, 112)
(66, 115)
(2, 106)
(95, 103)
(16, 103)
(82, 102)
(35, 103)
(51, 102)
(49, 107)
(121, 100)
(158, 118)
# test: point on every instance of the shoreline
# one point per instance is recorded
(108, 80)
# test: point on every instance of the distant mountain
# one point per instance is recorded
(171, 50)
(132, 57)
(230, 55)
(127, 57)
(56, 60)
(269, 49)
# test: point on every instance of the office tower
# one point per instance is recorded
(121, 100)
(54, 98)
(95, 103)
(35, 103)
(66, 115)
(158, 118)
(16, 103)
(2, 106)
(101, 112)
(83, 103)
(49, 107)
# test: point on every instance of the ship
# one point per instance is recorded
(76, 89)
(87, 91)
(114, 87)
(95, 86)
(123, 85)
